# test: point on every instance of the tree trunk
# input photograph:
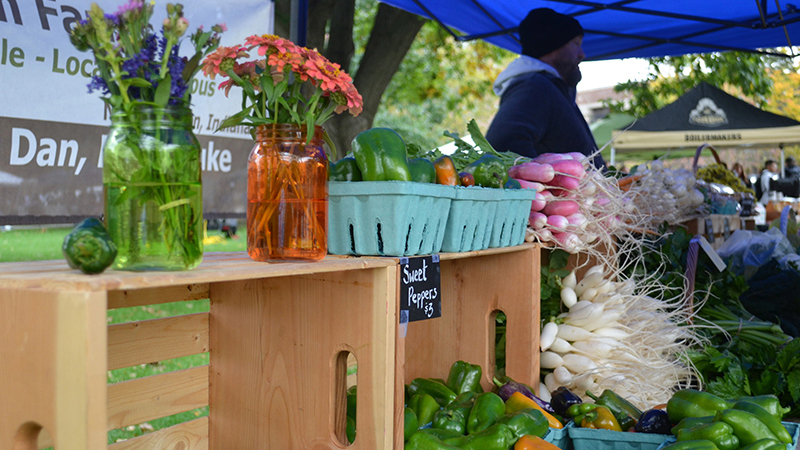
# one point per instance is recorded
(392, 35)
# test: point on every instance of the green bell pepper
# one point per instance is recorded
(422, 170)
(690, 422)
(700, 444)
(489, 171)
(764, 444)
(350, 431)
(769, 402)
(720, 433)
(526, 421)
(410, 423)
(578, 409)
(424, 406)
(450, 419)
(381, 155)
(746, 426)
(425, 441)
(346, 169)
(488, 408)
(441, 434)
(465, 377)
(771, 421)
(693, 403)
(88, 247)
(352, 392)
(443, 394)
(624, 411)
(496, 437)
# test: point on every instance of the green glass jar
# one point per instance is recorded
(153, 190)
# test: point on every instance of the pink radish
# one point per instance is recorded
(569, 167)
(565, 183)
(532, 171)
(546, 158)
(561, 208)
(537, 220)
(544, 235)
(570, 241)
(538, 187)
(539, 202)
(577, 220)
(558, 222)
(577, 156)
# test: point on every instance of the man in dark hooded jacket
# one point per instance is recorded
(537, 91)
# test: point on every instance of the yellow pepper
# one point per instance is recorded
(530, 442)
(518, 401)
(600, 418)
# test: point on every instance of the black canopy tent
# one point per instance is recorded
(706, 114)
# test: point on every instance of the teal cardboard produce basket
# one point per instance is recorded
(511, 219)
(469, 223)
(560, 436)
(589, 439)
(387, 218)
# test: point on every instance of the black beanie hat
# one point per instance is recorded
(544, 30)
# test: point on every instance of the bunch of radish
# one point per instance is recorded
(571, 205)
(613, 337)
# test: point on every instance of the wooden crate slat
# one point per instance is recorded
(137, 401)
(154, 296)
(191, 435)
(154, 340)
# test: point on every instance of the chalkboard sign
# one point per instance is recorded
(420, 288)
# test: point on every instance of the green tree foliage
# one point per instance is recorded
(744, 74)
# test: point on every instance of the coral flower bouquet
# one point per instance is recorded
(288, 92)
(276, 84)
(151, 158)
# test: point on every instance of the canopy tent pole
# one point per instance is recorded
(298, 26)
(613, 160)
(783, 161)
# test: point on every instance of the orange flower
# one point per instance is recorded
(325, 74)
(222, 56)
(270, 43)
(280, 60)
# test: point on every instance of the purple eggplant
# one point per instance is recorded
(508, 387)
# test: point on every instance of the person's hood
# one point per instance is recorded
(520, 66)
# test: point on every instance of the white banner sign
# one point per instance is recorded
(52, 129)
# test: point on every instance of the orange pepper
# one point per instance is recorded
(530, 442)
(518, 401)
(446, 172)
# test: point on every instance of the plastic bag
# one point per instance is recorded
(746, 250)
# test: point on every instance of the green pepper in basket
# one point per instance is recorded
(527, 421)
(450, 419)
(88, 247)
(720, 433)
(346, 169)
(489, 171)
(426, 441)
(465, 377)
(381, 155)
(769, 402)
(410, 423)
(771, 421)
(424, 406)
(496, 437)
(764, 444)
(488, 408)
(700, 444)
(690, 422)
(422, 170)
(624, 411)
(693, 403)
(441, 393)
(746, 426)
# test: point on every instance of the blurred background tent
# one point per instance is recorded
(705, 114)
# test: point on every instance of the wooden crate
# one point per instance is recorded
(279, 337)
(720, 226)
(276, 335)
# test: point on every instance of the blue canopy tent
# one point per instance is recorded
(616, 29)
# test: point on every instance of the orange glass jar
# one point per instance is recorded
(287, 195)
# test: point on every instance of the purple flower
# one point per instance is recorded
(132, 5)
(98, 84)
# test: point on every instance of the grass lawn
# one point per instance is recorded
(38, 244)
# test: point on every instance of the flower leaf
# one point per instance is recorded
(139, 82)
(163, 90)
(234, 120)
